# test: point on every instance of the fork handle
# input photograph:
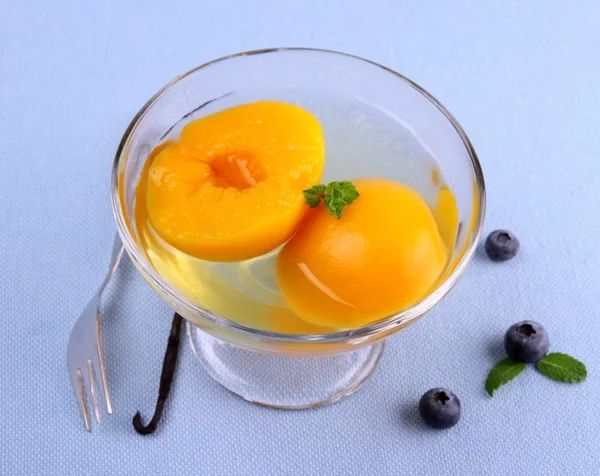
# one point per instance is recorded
(115, 259)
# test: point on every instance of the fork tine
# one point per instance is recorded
(105, 391)
(92, 383)
(82, 401)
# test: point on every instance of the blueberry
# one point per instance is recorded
(440, 408)
(501, 245)
(526, 341)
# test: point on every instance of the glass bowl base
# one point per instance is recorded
(280, 381)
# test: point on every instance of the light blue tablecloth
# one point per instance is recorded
(523, 78)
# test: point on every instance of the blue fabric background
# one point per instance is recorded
(521, 77)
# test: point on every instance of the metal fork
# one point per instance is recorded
(85, 359)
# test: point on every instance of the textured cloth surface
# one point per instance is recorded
(521, 77)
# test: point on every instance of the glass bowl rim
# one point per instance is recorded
(383, 326)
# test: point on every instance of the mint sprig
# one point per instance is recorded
(557, 366)
(562, 367)
(502, 373)
(335, 196)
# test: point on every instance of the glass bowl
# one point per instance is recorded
(296, 370)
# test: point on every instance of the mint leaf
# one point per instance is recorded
(336, 195)
(502, 373)
(334, 204)
(345, 191)
(313, 195)
(562, 367)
